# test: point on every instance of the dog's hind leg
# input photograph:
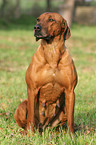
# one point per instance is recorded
(21, 115)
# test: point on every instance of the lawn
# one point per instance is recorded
(17, 45)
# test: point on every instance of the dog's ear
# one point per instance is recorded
(66, 30)
(67, 33)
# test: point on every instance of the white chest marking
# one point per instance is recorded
(53, 74)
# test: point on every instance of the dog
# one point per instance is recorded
(51, 78)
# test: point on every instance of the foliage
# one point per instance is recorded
(17, 45)
(8, 8)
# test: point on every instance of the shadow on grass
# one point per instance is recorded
(25, 22)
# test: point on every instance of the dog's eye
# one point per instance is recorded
(51, 20)
(38, 20)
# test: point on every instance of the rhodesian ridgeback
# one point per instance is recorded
(51, 78)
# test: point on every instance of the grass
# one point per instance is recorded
(17, 45)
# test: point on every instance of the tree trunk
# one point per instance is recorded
(48, 5)
(67, 10)
(17, 9)
(2, 11)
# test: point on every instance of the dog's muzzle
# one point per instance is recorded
(37, 30)
(39, 35)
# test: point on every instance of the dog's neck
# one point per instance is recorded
(53, 51)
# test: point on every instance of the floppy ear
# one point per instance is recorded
(66, 30)
(67, 33)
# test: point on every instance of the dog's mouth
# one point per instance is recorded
(40, 36)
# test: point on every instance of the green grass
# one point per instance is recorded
(17, 45)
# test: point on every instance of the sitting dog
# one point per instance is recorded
(51, 78)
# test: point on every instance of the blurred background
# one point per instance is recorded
(80, 11)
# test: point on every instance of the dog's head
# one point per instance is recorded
(50, 25)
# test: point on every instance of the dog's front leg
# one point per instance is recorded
(69, 106)
(30, 116)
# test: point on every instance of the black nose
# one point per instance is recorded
(37, 27)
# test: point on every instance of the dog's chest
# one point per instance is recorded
(41, 74)
(46, 75)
